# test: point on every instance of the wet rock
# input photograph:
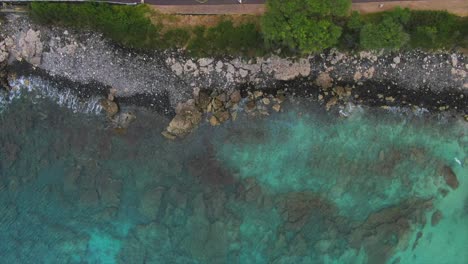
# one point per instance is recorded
(222, 116)
(214, 121)
(450, 177)
(187, 118)
(123, 120)
(276, 107)
(333, 101)
(235, 97)
(110, 107)
(436, 217)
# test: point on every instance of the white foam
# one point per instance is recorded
(38, 89)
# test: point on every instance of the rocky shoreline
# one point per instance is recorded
(167, 81)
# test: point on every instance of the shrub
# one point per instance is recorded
(387, 34)
(303, 25)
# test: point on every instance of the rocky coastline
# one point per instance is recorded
(171, 82)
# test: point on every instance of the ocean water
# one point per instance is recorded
(300, 186)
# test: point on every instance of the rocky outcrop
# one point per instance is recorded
(26, 46)
(187, 118)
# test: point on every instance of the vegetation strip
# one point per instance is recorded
(295, 27)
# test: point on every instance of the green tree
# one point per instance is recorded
(387, 34)
(303, 25)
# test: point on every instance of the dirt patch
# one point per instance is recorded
(458, 7)
(188, 21)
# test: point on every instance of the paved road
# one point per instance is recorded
(232, 2)
(190, 2)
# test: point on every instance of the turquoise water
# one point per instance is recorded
(302, 186)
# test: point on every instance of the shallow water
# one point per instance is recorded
(302, 186)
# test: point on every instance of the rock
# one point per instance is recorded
(235, 97)
(454, 60)
(323, 246)
(369, 73)
(390, 99)
(123, 120)
(324, 80)
(111, 95)
(243, 73)
(396, 60)
(331, 103)
(284, 70)
(219, 66)
(177, 68)
(450, 177)
(168, 135)
(3, 52)
(320, 97)
(436, 217)
(276, 107)
(250, 105)
(266, 101)
(357, 76)
(190, 66)
(29, 47)
(187, 118)
(340, 91)
(203, 62)
(222, 116)
(214, 121)
(150, 202)
(203, 100)
(110, 107)
(258, 94)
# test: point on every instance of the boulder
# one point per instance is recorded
(324, 80)
(187, 118)
(110, 107)
(29, 47)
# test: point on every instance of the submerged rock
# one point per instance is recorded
(450, 177)
(123, 120)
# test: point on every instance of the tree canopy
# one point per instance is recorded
(303, 25)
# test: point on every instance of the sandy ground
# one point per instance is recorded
(459, 7)
(212, 9)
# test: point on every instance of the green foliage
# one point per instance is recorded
(436, 29)
(303, 25)
(225, 37)
(388, 34)
(177, 38)
(127, 25)
(405, 28)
